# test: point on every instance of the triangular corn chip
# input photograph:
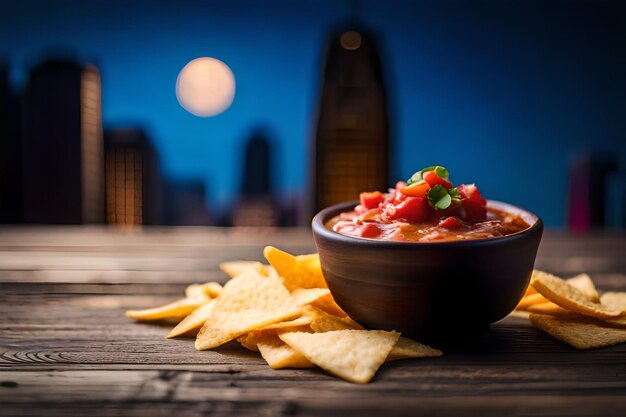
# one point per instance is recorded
(547, 308)
(584, 283)
(298, 322)
(614, 301)
(530, 300)
(324, 322)
(302, 271)
(193, 322)
(279, 355)
(407, 348)
(175, 311)
(329, 305)
(247, 302)
(234, 268)
(579, 331)
(304, 296)
(569, 297)
(354, 355)
(249, 340)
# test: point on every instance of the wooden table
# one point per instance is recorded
(66, 347)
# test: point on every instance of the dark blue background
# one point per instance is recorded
(503, 93)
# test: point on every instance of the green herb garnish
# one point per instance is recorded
(440, 198)
(419, 175)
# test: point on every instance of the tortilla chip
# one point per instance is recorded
(193, 322)
(249, 301)
(569, 297)
(614, 301)
(584, 283)
(175, 311)
(306, 296)
(530, 290)
(547, 308)
(277, 353)
(280, 355)
(407, 348)
(207, 290)
(235, 268)
(302, 271)
(619, 321)
(354, 355)
(519, 313)
(329, 305)
(530, 300)
(251, 339)
(554, 310)
(324, 322)
(300, 321)
(579, 331)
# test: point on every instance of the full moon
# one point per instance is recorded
(205, 87)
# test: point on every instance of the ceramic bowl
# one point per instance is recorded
(427, 287)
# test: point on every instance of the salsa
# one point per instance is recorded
(426, 208)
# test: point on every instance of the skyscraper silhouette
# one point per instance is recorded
(256, 205)
(63, 151)
(11, 195)
(133, 180)
(352, 136)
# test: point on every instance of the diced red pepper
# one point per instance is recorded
(370, 230)
(450, 223)
(413, 210)
(433, 179)
(371, 200)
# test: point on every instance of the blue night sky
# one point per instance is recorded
(503, 93)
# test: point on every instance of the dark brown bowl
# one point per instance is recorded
(427, 287)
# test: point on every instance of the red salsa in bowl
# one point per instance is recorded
(426, 208)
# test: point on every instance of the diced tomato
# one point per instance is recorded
(470, 192)
(413, 209)
(371, 200)
(450, 223)
(472, 204)
(370, 230)
(417, 189)
(395, 195)
(433, 179)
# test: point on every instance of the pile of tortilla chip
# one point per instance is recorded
(572, 311)
(285, 312)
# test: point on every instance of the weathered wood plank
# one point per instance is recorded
(513, 406)
(29, 237)
(151, 385)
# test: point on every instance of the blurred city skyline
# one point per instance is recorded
(503, 94)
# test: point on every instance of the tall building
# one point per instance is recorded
(352, 136)
(11, 196)
(133, 180)
(256, 206)
(63, 150)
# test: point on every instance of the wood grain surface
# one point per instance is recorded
(66, 347)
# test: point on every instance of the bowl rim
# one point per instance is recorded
(318, 228)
